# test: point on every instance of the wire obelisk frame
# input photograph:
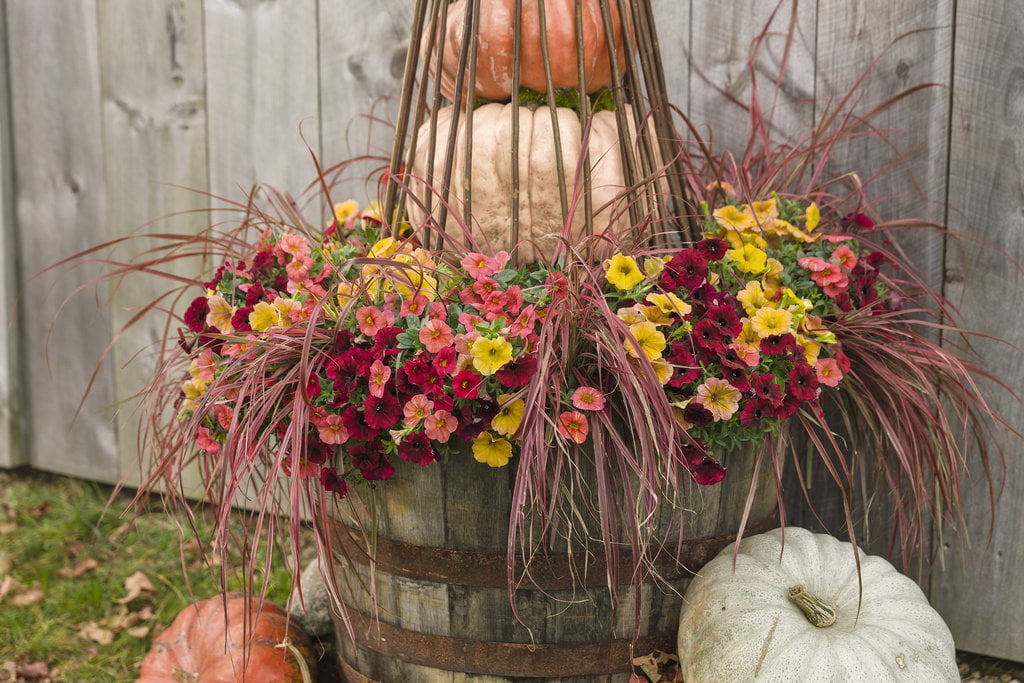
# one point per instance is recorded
(652, 195)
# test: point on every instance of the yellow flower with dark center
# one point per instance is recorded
(768, 322)
(748, 259)
(623, 272)
(732, 218)
(509, 416)
(752, 297)
(492, 451)
(720, 398)
(648, 338)
(489, 355)
(669, 303)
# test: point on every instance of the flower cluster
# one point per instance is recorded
(737, 327)
(393, 351)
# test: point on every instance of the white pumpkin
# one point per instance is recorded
(743, 625)
(540, 212)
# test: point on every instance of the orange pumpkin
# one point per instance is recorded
(201, 645)
(495, 47)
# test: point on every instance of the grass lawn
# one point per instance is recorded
(83, 591)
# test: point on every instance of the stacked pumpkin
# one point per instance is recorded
(491, 173)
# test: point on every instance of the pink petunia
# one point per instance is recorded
(416, 409)
(436, 335)
(479, 265)
(573, 425)
(414, 306)
(440, 425)
(845, 257)
(207, 442)
(332, 430)
(371, 319)
(378, 379)
(828, 371)
(588, 398)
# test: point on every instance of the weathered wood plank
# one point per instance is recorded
(12, 445)
(361, 78)
(672, 23)
(151, 56)
(55, 102)
(721, 41)
(981, 588)
(262, 86)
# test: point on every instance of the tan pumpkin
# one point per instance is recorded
(540, 210)
(495, 47)
(200, 645)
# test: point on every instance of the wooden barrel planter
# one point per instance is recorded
(442, 611)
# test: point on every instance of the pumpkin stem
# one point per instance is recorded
(819, 613)
(287, 644)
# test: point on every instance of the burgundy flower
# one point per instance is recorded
(343, 341)
(371, 462)
(708, 473)
(355, 422)
(686, 368)
(386, 338)
(693, 453)
(240, 320)
(704, 296)
(765, 387)
(195, 316)
(466, 384)
(418, 372)
(736, 376)
(866, 292)
(417, 448)
(708, 336)
(778, 344)
(725, 319)
(473, 419)
(332, 482)
(518, 371)
(217, 277)
(687, 268)
(753, 411)
(255, 293)
(713, 248)
(802, 382)
(786, 409)
(383, 412)
(697, 415)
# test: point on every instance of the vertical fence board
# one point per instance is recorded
(361, 78)
(60, 210)
(151, 56)
(672, 22)
(980, 590)
(262, 85)
(12, 444)
(721, 80)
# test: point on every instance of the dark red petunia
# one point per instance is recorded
(708, 473)
(736, 376)
(466, 384)
(518, 371)
(764, 386)
(778, 344)
(332, 482)
(687, 268)
(386, 338)
(355, 422)
(343, 341)
(240, 319)
(195, 315)
(417, 448)
(802, 382)
(383, 412)
(843, 360)
(697, 415)
(725, 319)
(371, 462)
(708, 336)
(713, 248)
(418, 371)
(685, 364)
(786, 409)
(693, 453)
(255, 293)
(754, 411)
(704, 296)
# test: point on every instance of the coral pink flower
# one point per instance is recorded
(416, 409)
(224, 414)
(298, 268)
(379, 376)
(332, 430)
(414, 306)
(294, 244)
(573, 425)
(478, 265)
(588, 398)
(436, 335)
(371, 319)
(440, 426)
(845, 257)
(207, 442)
(828, 371)
(206, 364)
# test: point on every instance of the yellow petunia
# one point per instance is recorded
(489, 355)
(765, 211)
(752, 297)
(492, 451)
(811, 348)
(342, 210)
(623, 272)
(264, 315)
(812, 217)
(768, 322)
(654, 266)
(732, 218)
(748, 259)
(648, 338)
(669, 303)
(631, 314)
(220, 313)
(509, 416)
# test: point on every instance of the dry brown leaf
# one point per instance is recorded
(34, 670)
(29, 596)
(97, 633)
(9, 585)
(138, 631)
(118, 534)
(86, 565)
(137, 585)
(7, 528)
(8, 670)
(657, 667)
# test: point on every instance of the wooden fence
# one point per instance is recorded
(109, 107)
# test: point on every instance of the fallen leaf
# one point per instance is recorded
(9, 585)
(86, 565)
(28, 596)
(34, 670)
(97, 633)
(118, 534)
(657, 667)
(137, 585)
(8, 528)
(40, 510)
(138, 631)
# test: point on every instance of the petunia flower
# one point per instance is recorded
(623, 272)
(371, 319)
(748, 259)
(489, 354)
(417, 448)
(509, 415)
(518, 372)
(719, 397)
(828, 372)
(491, 451)
(332, 482)
(382, 412)
(731, 218)
(770, 322)
(416, 409)
(587, 398)
(220, 313)
(440, 425)
(466, 384)
(436, 335)
(649, 341)
(332, 430)
(802, 382)
(207, 442)
(573, 425)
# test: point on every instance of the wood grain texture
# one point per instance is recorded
(361, 73)
(981, 588)
(154, 116)
(673, 26)
(262, 87)
(13, 450)
(720, 81)
(55, 100)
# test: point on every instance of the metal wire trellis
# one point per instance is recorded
(653, 188)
